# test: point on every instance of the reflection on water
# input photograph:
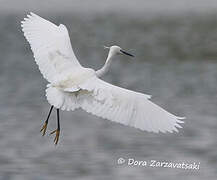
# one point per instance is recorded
(175, 62)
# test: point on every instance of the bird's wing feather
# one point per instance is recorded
(51, 47)
(126, 107)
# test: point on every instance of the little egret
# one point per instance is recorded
(72, 86)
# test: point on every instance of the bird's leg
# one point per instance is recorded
(57, 131)
(44, 127)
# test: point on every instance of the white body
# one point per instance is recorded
(72, 86)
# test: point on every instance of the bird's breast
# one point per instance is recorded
(75, 78)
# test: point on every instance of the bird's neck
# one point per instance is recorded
(106, 66)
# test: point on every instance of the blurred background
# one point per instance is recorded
(175, 44)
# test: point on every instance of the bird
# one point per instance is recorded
(72, 86)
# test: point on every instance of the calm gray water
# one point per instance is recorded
(176, 62)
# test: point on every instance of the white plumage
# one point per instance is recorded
(72, 86)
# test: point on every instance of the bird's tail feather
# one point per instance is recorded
(61, 100)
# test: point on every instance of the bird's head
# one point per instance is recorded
(116, 50)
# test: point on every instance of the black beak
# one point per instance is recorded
(126, 53)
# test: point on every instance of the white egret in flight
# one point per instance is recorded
(72, 86)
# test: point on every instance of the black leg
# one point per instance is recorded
(58, 119)
(57, 131)
(49, 114)
(44, 128)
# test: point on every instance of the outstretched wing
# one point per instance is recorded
(51, 47)
(126, 107)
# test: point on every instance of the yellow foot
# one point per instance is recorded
(44, 128)
(56, 139)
